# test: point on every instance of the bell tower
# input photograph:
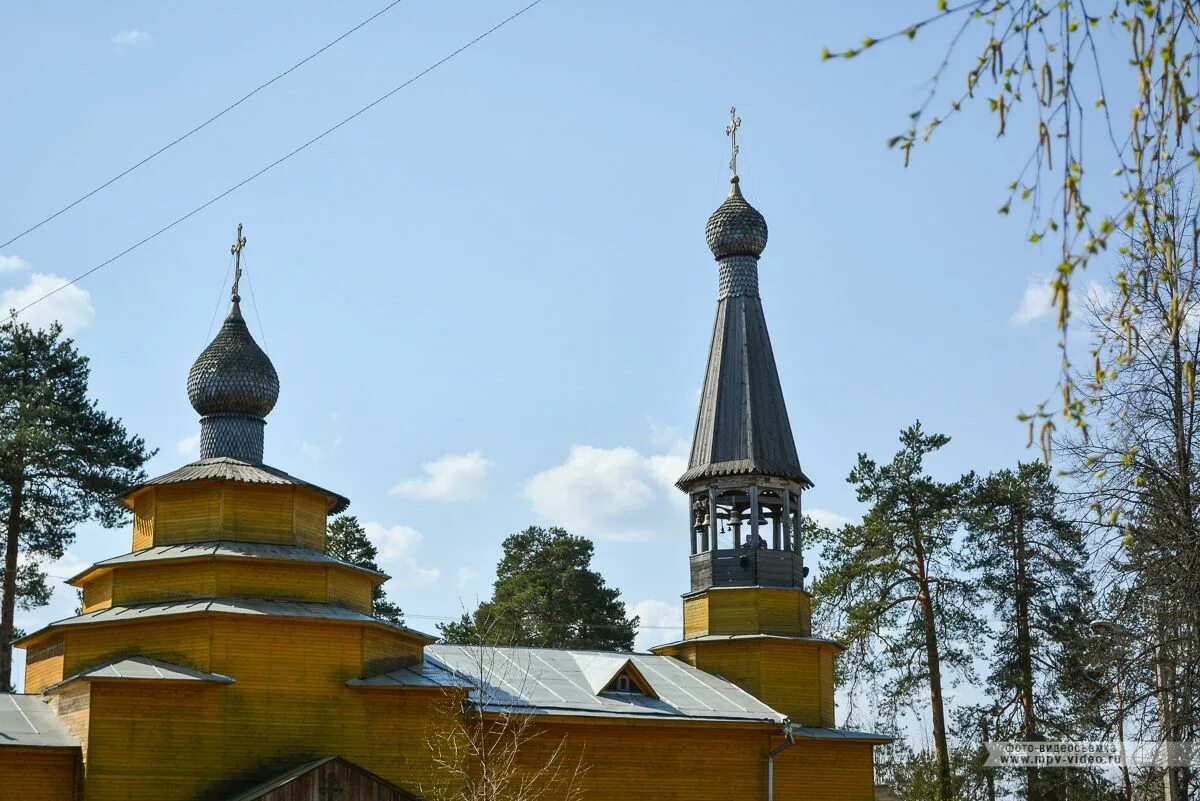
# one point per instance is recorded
(747, 615)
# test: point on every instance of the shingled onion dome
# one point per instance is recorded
(736, 228)
(233, 386)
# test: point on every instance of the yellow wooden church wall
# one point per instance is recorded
(157, 583)
(289, 704)
(44, 664)
(190, 513)
(214, 510)
(175, 744)
(792, 676)
(665, 762)
(38, 774)
(143, 520)
(97, 592)
(747, 610)
(813, 770)
(695, 616)
(73, 705)
(309, 512)
(351, 589)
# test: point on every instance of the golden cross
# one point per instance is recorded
(735, 122)
(236, 250)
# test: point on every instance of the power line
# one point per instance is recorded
(202, 125)
(459, 617)
(279, 160)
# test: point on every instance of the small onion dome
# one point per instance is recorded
(233, 375)
(736, 228)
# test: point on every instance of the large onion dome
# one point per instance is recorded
(736, 228)
(233, 386)
(233, 375)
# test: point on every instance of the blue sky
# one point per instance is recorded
(489, 299)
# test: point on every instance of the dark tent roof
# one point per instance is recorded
(742, 427)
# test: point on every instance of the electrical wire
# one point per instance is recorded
(279, 160)
(254, 302)
(220, 295)
(202, 125)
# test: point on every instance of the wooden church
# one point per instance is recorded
(228, 656)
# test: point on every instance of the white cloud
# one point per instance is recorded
(129, 38)
(317, 452)
(453, 477)
(1037, 302)
(828, 519)
(464, 576)
(399, 547)
(613, 493)
(660, 623)
(189, 446)
(70, 305)
(10, 264)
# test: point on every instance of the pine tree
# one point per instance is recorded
(346, 539)
(547, 595)
(1030, 560)
(62, 461)
(892, 590)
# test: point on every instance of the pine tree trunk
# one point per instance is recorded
(1024, 653)
(934, 660)
(8, 601)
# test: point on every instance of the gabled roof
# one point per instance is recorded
(360, 782)
(28, 721)
(599, 670)
(547, 681)
(224, 468)
(226, 606)
(224, 550)
(143, 668)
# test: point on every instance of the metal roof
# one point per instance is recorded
(561, 682)
(428, 674)
(223, 549)
(27, 720)
(227, 606)
(742, 425)
(144, 668)
(816, 733)
(224, 468)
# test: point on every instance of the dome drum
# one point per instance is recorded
(238, 436)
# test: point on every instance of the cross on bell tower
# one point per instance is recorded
(236, 250)
(731, 130)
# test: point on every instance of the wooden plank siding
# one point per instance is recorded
(747, 610)
(73, 705)
(97, 592)
(143, 520)
(157, 582)
(44, 664)
(630, 761)
(289, 705)
(225, 510)
(791, 676)
(39, 774)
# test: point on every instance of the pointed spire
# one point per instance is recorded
(742, 426)
(233, 385)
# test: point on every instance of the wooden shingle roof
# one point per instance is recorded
(224, 468)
